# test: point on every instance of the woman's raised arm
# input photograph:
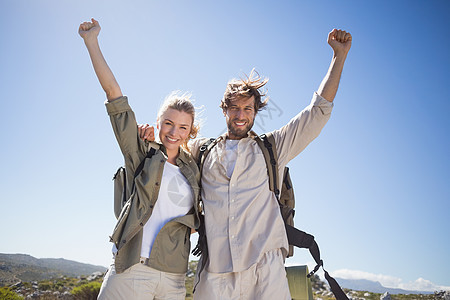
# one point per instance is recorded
(89, 32)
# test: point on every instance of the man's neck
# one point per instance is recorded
(233, 137)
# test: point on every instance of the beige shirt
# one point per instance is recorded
(242, 216)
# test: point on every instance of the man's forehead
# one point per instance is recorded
(242, 100)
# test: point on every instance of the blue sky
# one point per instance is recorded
(373, 188)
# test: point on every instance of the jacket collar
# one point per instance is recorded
(183, 157)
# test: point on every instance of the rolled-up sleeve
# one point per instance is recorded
(117, 106)
(301, 130)
(124, 124)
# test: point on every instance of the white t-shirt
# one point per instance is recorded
(231, 147)
(174, 200)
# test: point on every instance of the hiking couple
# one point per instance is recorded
(245, 232)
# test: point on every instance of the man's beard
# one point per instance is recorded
(239, 133)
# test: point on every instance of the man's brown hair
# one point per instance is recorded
(248, 87)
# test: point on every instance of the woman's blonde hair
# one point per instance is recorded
(183, 103)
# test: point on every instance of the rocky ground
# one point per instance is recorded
(64, 288)
(87, 287)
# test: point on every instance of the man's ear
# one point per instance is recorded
(224, 110)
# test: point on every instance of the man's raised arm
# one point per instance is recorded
(340, 41)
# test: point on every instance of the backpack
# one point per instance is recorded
(121, 193)
(286, 201)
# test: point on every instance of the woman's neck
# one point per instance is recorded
(172, 156)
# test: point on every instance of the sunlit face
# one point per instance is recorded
(240, 116)
(174, 127)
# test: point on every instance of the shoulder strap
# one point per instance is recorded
(296, 237)
(267, 144)
(202, 245)
(302, 239)
(204, 150)
(150, 153)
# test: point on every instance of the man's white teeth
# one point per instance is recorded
(240, 123)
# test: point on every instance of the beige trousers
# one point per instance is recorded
(264, 280)
(142, 282)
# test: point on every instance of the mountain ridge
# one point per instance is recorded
(373, 286)
(24, 267)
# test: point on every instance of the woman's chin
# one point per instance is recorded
(171, 146)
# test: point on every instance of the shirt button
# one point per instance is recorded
(232, 184)
(232, 236)
(232, 200)
(232, 218)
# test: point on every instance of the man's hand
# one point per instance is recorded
(340, 41)
(146, 132)
(89, 30)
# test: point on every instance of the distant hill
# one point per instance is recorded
(372, 286)
(23, 267)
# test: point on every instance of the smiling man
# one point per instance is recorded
(246, 238)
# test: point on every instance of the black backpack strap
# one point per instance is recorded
(203, 152)
(296, 237)
(267, 144)
(124, 184)
(202, 244)
(335, 288)
(202, 247)
(302, 239)
(150, 153)
(138, 170)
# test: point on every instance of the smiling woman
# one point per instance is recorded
(175, 123)
(152, 235)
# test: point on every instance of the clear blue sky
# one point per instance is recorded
(373, 188)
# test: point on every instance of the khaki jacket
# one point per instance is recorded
(170, 251)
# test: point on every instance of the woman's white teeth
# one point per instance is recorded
(171, 139)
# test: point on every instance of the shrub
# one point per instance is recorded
(88, 291)
(45, 285)
(7, 294)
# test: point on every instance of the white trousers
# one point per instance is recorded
(142, 282)
(265, 279)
